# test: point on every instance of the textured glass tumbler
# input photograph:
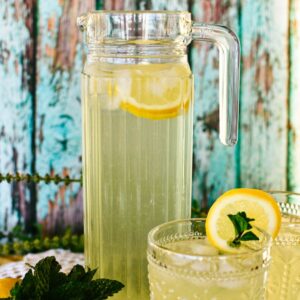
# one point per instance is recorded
(284, 280)
(178, 271)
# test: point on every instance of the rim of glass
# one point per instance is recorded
(279, 192)
(152, 243)
(294, 220)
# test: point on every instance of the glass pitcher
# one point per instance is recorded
(137, 97)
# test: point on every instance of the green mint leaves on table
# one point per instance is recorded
(242, 228)
(46, 281)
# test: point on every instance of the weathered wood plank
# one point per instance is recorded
(163, 5)
(214, 169)
(294, 99)
(58, 119)
(119, 4)
(264, 93)
(16, 94)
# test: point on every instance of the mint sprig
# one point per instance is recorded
(242, 228)
(45, 281)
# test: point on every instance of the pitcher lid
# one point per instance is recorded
(136, 27)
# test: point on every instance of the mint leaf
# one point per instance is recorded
(78, 273)
(246, 219)
(240, 222)
(249, 236)
(237, 223)
(234, 243)
(104, 288)
(26, 288)
(48, 276)
(45, 281)
(242, 226)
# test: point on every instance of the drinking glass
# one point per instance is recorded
(284, 280)
(183, 265)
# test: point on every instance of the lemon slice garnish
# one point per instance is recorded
(153, 111)
(158, 91)
(257, 204)
(6, 284)
(153, 91)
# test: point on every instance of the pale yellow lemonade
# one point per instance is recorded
(284, 281)
(183, 279)
(137, 173)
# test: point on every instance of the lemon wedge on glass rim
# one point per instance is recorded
(257, 205)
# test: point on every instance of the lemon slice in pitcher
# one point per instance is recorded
(153, 91)
(157, 91)
(257, 205)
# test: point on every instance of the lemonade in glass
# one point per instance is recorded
(184, 265)
(284, 281)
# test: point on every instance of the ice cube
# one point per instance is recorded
(199, 247)
(193, 247)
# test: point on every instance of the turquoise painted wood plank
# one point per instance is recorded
(58, 139)
(16, 94)
(215, 166)
(294, 99)
(264, 93)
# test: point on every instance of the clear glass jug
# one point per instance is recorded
(137, 97)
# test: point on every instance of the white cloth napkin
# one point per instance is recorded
(66, 259)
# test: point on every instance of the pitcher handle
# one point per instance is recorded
(229, 67)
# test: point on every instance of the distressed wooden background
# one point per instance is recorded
(40, 125)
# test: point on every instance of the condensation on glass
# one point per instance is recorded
(137, 99)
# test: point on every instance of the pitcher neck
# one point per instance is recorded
(134, 53)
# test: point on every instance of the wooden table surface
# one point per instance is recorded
(10, 258)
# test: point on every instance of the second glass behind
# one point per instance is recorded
(137, 97)
(284, 282)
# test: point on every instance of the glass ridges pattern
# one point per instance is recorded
(284, 283)
(284, 280)
(178, 271)
(172, 285)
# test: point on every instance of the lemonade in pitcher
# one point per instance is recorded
(137, 123)
(137, 99)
